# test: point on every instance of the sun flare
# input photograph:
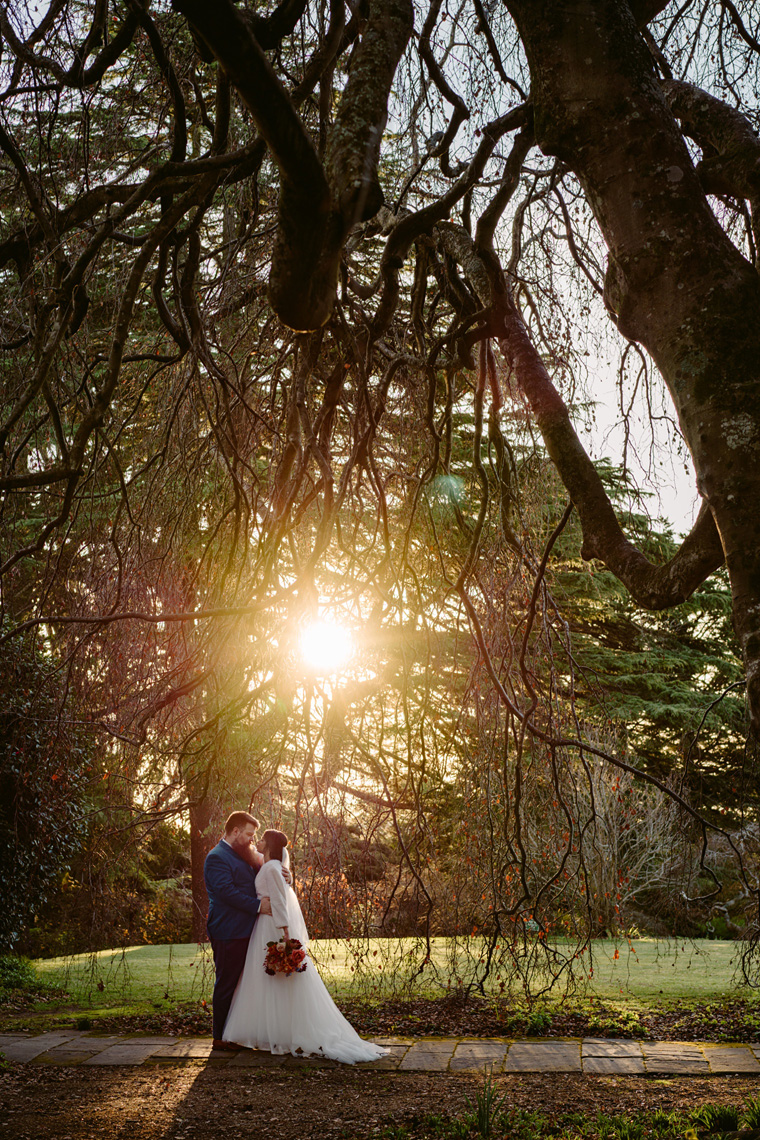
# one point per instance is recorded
(326, 646)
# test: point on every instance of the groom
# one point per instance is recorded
(233, 907)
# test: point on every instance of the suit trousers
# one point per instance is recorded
(229, 959)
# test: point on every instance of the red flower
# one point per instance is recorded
(285, 958)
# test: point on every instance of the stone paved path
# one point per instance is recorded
(427, 1054)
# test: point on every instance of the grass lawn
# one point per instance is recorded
(649, 972)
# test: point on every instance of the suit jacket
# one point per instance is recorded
(231, 886)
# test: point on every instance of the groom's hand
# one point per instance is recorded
(266, 906)
(287, 876)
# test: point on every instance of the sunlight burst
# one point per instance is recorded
(326, 646)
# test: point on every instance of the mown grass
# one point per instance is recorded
(645, 972)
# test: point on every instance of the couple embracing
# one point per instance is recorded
(268, 994)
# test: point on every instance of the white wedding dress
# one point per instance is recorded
(292, 1014)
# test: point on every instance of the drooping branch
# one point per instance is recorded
(461, 111)
(179, 144)
(410, 226)
(652, 586)
(76, 75)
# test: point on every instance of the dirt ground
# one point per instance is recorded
(199, 1101)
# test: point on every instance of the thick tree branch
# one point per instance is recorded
(271, 30)
(730, 148)
(314, 215)
(309, 237)
(353, 149)
(653, 587)
(676, 283)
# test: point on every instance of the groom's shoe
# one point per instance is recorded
(225, 1046)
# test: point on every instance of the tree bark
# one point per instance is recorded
(200, 845)
(675, 282)
(652, 586)
(318, 206)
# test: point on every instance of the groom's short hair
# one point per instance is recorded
(239, 819)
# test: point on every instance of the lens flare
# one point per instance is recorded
(326, 646)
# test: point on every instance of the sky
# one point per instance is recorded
(656, 468)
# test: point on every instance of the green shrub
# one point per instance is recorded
(117, 894)
(538, 1022)
(44, 760)
(16, 974)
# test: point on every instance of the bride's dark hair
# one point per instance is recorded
(276, 842)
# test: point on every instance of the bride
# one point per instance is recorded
(287, 1013)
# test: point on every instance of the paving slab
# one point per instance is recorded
(428, 1056)
(18, 1047)
(391, 1062)
(185, 1050)
(125, 1053)
(603, 1055)
(731, 1059)
(435, 1044)
(676, 1068)
(616, 1064)
(674, 1057)
(544, 1057)
(602, 1047)
(71, 1053)
(479, 1054)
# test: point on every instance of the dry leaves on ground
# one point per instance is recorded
(201, 1102)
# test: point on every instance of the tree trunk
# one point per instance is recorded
(675, 282)
(200, 845)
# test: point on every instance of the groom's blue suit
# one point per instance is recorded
(233, 906)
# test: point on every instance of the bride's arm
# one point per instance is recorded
(286, 867)
(278, 896)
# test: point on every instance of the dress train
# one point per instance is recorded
(292, 1014)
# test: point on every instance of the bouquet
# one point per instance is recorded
(285, 957)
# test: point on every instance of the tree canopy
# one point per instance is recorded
(301, 306)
